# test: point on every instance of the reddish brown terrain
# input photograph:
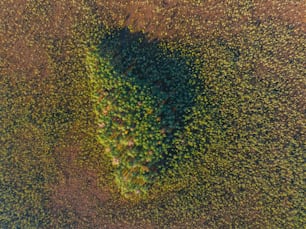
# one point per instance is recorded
(38, 51)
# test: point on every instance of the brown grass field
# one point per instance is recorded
(55, 174)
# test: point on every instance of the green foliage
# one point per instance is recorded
(142, 92)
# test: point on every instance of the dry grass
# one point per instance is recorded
(54, 173)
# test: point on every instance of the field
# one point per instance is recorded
(152, 114)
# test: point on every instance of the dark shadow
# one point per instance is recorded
(167, 74)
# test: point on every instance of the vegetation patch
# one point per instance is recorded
(142, 91)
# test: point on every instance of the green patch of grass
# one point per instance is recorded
(142, 92)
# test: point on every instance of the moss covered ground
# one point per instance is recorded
(152, 114)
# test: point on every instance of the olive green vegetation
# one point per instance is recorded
(142, 93)
(195, 131)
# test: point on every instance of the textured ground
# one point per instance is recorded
(241, 151)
